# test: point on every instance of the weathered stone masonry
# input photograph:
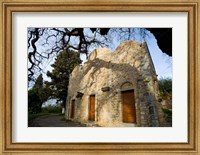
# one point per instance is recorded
(115, 88)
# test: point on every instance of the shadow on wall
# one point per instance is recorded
(118, 73)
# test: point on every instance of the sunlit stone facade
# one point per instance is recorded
(115, 89)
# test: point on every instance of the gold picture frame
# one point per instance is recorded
(9, 7)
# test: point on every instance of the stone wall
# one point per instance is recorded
(106, 74)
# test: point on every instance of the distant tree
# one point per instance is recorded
(37, 95)
(33, 101)
(165, 87)
(39, 82)
(62, 68)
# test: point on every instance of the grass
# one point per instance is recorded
(48, 110)
(33, 116)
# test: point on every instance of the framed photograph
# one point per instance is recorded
(85, 77)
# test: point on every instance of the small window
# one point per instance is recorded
(152, 110)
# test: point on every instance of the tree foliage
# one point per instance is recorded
(45, 43)
(62, 68)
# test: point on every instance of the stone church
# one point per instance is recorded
(115, 89)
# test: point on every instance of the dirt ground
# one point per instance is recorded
(53, 121)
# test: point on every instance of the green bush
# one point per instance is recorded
(32, 116)
(168, 115)
(49, 110)
(165, 88)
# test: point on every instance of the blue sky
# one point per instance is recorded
(162, 62)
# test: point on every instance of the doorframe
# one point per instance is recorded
(121, 105)
(73, 101)
(94, 108)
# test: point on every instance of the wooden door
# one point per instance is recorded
(92, 108)
(128, 107)
(72, 109)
